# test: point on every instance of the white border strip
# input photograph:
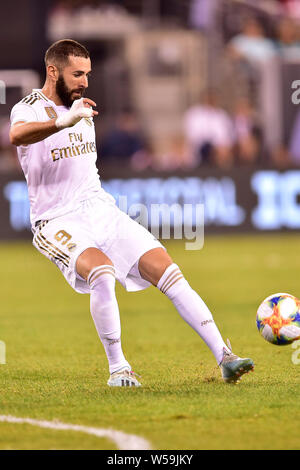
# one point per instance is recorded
(122, 440)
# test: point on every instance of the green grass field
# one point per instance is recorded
(56, 368)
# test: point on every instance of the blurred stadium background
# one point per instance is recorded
(197, 99)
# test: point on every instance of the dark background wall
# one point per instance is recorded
(23, 33)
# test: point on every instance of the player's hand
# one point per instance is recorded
(80, 109)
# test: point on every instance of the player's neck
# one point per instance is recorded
(51, 94)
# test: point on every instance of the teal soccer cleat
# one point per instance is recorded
(233, 367)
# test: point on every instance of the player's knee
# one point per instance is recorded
(153, 264)
(89, 260)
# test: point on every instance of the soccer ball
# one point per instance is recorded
(278, 319)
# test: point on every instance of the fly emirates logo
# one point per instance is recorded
(76, 148)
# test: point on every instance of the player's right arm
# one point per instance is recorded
(25, 133)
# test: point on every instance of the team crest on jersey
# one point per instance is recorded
(88, 121)
(51, 112)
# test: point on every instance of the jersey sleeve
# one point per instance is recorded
(22, 112)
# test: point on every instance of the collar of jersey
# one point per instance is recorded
(39, 91)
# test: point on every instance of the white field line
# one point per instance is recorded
(122, 440)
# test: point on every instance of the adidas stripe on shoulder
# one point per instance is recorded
(33, 97)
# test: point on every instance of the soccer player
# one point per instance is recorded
(78, 226)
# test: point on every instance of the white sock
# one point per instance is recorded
(105, 313)
(192, 309)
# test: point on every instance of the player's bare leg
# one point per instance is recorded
(157, 267)
(98, 270)
(153, 264)
(90, 259)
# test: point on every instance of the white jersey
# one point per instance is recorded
(60, 170)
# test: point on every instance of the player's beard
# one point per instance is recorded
(65, 94)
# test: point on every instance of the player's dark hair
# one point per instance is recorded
(58, 54)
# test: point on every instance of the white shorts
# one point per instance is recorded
(100, 224)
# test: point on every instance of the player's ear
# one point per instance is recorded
(52, 72)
